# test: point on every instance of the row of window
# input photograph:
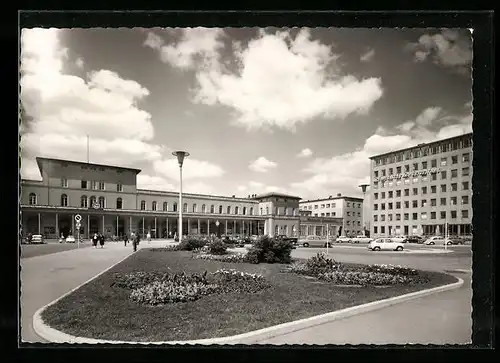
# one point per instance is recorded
(464, 199)
(453, 229)
(443, 162)
(333, 205)
(424, 190)
(423, 178)
(423, 216)
(94, 185)
(425, 150)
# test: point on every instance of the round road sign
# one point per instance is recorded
(78, 218)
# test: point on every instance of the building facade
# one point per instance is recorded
(109, 202)
(423, 190)
(346, 211)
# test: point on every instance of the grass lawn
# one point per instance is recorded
(99, 311)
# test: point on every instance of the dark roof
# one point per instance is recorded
(420, 145)
(39, 159)
(332, 198)
(275, 194)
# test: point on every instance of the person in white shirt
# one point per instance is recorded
(148, 236)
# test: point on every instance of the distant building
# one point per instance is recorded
(109, 202)
(349, 211)
(420, 190)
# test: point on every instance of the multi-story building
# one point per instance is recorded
(108, 201)
(348, 209)
(422, 189)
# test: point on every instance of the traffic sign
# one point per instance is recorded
(78, 218)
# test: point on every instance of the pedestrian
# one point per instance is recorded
(30, 237)
(148, 236)
(135, 242)
(101, 240)
(95, 239)
(125, 239)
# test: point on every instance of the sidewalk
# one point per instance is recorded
(442, 318)
(45, 278)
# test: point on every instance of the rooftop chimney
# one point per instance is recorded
(234, 196)
(339, 194)
(330, 197)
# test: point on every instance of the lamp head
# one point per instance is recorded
(363, 187)
(180, 156)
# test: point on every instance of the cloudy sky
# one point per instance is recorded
(298, 111)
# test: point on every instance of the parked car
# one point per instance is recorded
(293, 240)
(398, 238)
(413, 239)
(388, 244)
(314, 241)
(343, 239)
(440, 240)
(361, 239)
(70, 239)
(37, 239)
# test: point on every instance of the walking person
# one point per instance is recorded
(95, 239)
(101, 240)
(148, 236)
(135, 242)
(125, 239)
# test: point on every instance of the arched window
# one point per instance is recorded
(220, 209)
(212, 209)
(143, 205)
(194, 208)
(84, 201)
(93, 201)
(267, 210)
(203, 208)
(154, 205)
(64, 200)
(236, 210)
(251, 211)
(276, 230)
(119, 203)
(228, 209)
(185, 208)
(165, 206)
(244, 210)
(294, 231)
(32, 199)
(175, 206)
(261, 211)
(102, 202)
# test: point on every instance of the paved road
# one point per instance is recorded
(28, 251)
(443, 318)
(45, 278)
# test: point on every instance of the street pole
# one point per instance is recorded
(180, 158)
(363, 189)
(327, 239)
(446, 234)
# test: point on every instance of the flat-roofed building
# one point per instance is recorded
(421, 189)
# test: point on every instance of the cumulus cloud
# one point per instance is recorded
(196, 47)
(304, 153)
(198, 187)
(368, 56)
(63, 109)
(279, 81)
(262, 165)
(449, 48)
(191, 169)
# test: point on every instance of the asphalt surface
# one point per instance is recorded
(442, 318)
(28, 251)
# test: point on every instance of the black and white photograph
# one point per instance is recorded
(253, 185)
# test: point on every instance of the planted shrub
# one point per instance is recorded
(270, 250)
(236, 281)
(217, 247)
(391, 269)
(315, 265)
(190, 244)
(163, 292)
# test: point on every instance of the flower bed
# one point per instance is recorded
(156, 288)
(230, 258)
(327, 269)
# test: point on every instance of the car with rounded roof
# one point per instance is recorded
(386, 244)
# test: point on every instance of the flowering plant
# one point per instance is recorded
(233, 257)
(392, 269)
(363, 278)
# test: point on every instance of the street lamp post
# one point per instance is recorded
(180, 158)
(363, 189)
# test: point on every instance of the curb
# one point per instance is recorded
(56, 336)
(40, 327)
